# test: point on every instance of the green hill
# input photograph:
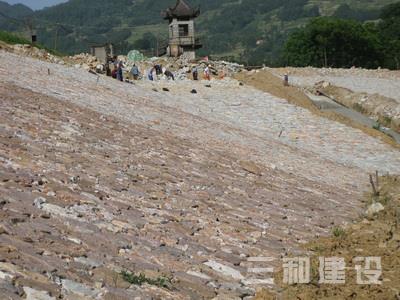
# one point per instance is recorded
(10, 15)
(251, 31)
(15, 11)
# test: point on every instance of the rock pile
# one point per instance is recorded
(85, 61)
(29, 50)
(181, 67)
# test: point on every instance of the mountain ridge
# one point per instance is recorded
(250, 31)
(36, 5)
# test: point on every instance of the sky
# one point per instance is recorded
(36, 4)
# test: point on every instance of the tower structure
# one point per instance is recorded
(182, 38)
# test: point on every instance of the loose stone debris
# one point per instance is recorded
(32, 294)
(181, 67)
(374, 209)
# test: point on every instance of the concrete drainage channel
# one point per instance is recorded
(325, 103)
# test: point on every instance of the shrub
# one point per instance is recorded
(338, 231)
(161, 281)
(12, 39)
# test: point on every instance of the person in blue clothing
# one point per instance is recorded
(150, 74)
(135, 72)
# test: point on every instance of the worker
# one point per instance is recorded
(195, 73)
(120, 76)
(207, 73)
(169, 74)
(158, 69)
(114, 72)
(108, 70)
(150, 74)
(286, 80)
(135, 72)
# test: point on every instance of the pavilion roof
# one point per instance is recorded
(181, 10)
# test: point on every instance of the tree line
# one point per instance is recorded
(333, 42)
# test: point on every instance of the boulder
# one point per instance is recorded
(374, 209)
(32, 294)
(224, 270)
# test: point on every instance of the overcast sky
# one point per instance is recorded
(36, 4)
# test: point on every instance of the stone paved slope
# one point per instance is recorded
(245, 115)
(100, 176)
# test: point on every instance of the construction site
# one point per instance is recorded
(176, 176)
(179, 189)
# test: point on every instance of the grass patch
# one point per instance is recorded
(161, 281)
(384, 200)
(358, 107)
(317, 248)
(387, 121)
(377, 126)
(13, 39)
(383, 120)
(338, 232)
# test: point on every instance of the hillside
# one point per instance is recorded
(11, 14)
(251, 31)
(37, 4)
(15, 10)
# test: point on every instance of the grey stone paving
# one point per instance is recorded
(307, 145)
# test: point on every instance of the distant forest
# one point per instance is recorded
(253, 32)
(332, 42)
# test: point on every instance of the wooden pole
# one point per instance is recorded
(371, 180)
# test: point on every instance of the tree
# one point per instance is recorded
(329, 42)
(344, 11)
(147, 42)
(389, 29)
